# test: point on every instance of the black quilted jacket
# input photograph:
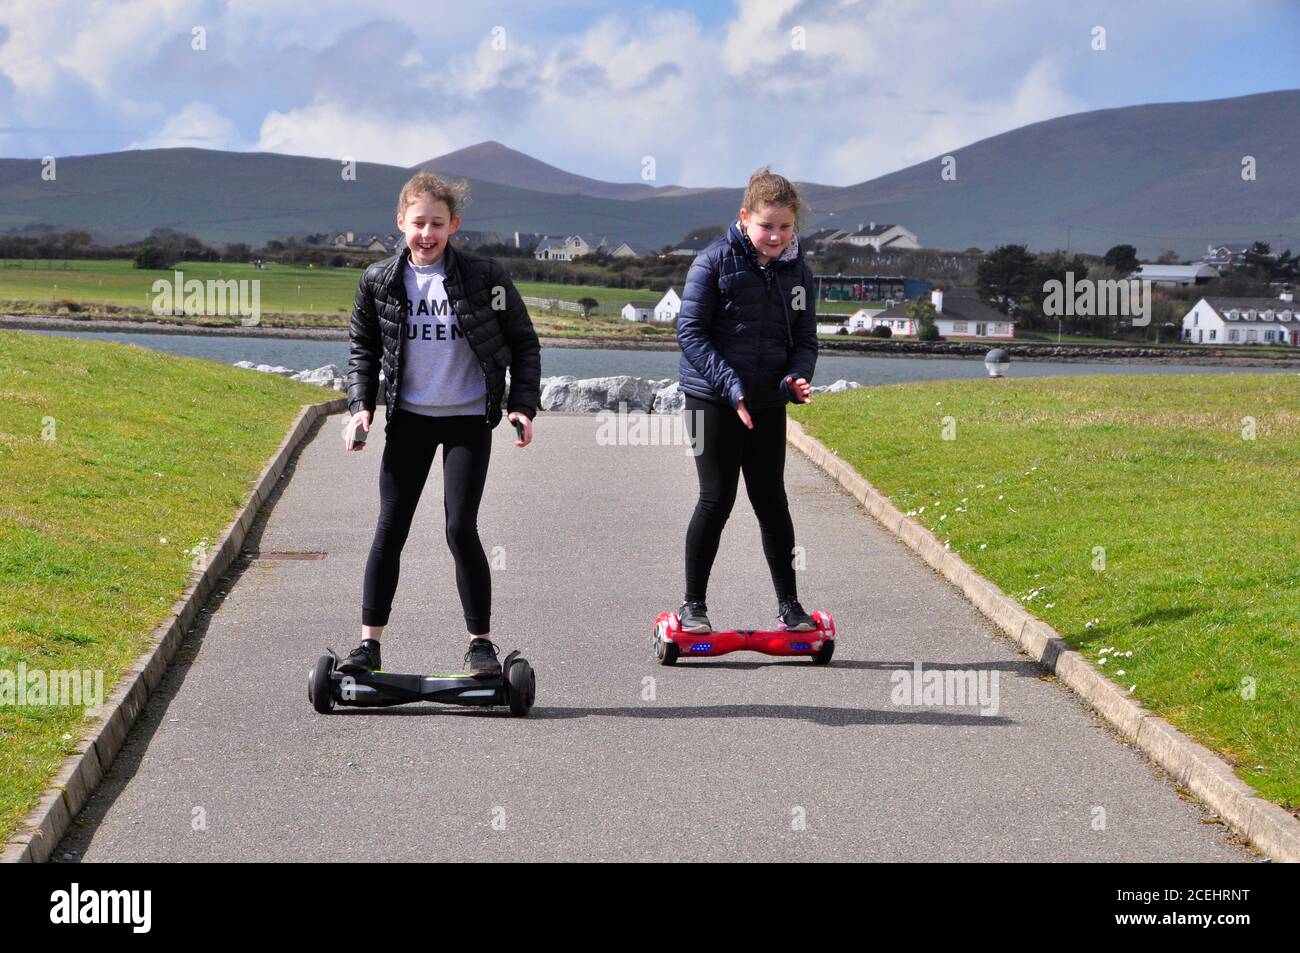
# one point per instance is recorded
(744, 330)
(502, 337)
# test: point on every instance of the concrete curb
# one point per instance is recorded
(41, 830)
(1203, 772)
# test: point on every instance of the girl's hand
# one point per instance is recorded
(744, 414)
(360, 419)
(528, 428)
(801, 391)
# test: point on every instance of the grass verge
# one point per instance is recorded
(1150, 520)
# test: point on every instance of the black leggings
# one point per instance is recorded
(728, 448)
(410, 440)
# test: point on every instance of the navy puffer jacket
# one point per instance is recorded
(746, 331)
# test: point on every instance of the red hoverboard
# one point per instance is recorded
(671, 643)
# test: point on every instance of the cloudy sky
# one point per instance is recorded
(832, 91)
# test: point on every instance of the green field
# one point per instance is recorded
(1192, 514)
(284, 289)
(116, 464)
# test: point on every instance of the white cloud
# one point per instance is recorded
(324, 129)
(881, 83)
(197, 126)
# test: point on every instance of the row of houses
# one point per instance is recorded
(569, 247)
(958, 313)
(1216, 260)
(886, 237)
(390, 243)
(889, 237)
(1216, 320)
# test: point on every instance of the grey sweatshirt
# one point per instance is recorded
(441, 376)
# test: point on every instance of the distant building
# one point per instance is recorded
(567, 248)
(668, 307)
(1243, 321)
(825, 236)
(348, 241)
(632, 312)
(1176, 276)
(869, 287)
(958, 313)
(468, 238)
(554, 249)
(884, 237)
(692, 247)
(1223, 257)
(631, 250)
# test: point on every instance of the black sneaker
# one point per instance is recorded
(693, 619)
(791, 617)
(482, 659)
(364, 658)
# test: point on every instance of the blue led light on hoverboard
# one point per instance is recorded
(701, 646)
(800, 646)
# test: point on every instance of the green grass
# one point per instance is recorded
(151, 455)
(1201, 579)
(284, 288)
(288, 295)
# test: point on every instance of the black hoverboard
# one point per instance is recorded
(515, 687)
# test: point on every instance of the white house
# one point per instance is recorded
(1227, 256)
(668, 306)
(959, 313)
(1176, 276)
(632, 312)
(350, 241)
(1243, 321)
(883, 237)
(567, 248)
(631, 250)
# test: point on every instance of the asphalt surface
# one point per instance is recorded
(741, 757)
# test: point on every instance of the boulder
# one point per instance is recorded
(836, 388)
(593, 394)
(670, 399)
(321, 375)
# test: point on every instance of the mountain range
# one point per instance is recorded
(1159, 176)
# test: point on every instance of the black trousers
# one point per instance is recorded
(728, 449)
(410, 440)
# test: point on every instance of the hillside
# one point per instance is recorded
(1157, 176)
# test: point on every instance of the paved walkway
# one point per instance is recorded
(744, 757)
